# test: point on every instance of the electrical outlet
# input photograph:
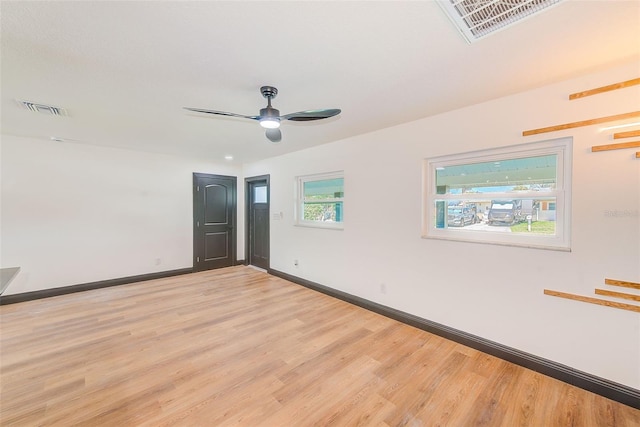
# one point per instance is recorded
(158, 261)
(383, 288)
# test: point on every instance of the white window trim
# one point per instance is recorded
(299, 201)
(562, 147)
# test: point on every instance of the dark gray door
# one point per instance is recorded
(257, 191)
(214, 216)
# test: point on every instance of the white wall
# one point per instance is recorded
(74, 213)
(495, 292)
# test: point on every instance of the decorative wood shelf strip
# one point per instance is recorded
(617, 294)
(624, 284)
(581, 123)
(618, 146)
(602, 89)
(628, 134)
(590, 300)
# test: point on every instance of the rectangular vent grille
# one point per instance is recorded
(42, 108)
(478, 18)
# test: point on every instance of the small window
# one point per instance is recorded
(320, 200)
(518, 195)
(260, 194)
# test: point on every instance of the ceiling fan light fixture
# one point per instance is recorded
(270, 123)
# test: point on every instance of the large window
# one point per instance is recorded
(519, 195)
(320, 200)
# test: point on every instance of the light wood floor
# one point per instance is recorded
(239, 347)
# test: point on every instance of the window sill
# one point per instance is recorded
(326, 226)
(532, 245)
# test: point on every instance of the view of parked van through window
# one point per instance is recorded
(511, 195)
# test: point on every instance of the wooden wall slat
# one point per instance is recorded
(623, 283)
(619, 146)
(628, 134)
(581, 123)
(602, 89)
(591, 300)
(615, 294)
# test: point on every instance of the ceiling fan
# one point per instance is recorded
(270, 117)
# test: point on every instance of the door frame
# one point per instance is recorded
(234, 216)
(248, 185)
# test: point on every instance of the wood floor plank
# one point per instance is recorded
(238, 347)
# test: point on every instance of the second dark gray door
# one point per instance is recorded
(257, 189)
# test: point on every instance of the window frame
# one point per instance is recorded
(561, 240)
(300, 201)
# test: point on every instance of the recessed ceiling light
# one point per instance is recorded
(228, 157)
(56, 139)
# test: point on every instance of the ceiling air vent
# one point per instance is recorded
(476, 19)
(42, 108)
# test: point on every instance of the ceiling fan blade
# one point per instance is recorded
(274, 135)
(221, 113)
(305, 116)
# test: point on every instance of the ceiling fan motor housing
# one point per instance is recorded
(270, 112)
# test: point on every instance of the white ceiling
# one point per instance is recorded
(123, 70)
